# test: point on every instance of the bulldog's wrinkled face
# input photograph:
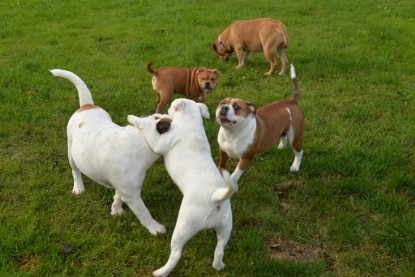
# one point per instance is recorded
(207, 78)
(231, 111)
(221, 50)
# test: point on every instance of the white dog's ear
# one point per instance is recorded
(178, 105)
(204, 110)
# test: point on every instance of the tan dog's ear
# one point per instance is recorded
(201, 70)
(216, 72)
(204, 110)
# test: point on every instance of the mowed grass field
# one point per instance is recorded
(350, 209)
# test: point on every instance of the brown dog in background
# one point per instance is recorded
(259, 35)
(194, 83)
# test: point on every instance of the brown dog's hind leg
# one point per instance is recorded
(162, 101)
(270, 56)
(284, 61)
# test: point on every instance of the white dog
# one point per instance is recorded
(188, 160)
(113, 156)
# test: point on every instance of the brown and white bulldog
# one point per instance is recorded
(194, 83)
(258, 35)
(245, 131)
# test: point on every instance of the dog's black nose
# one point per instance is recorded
(224, 110)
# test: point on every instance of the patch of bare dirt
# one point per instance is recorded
(284, 250)
(29, 262)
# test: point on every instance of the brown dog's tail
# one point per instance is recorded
(149, 69)
(296, 93)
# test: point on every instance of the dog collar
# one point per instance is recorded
(223, 46)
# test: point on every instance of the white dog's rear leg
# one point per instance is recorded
(222, 235)
(181, 235)
(116, 207)
(78, 185)
(137, 206)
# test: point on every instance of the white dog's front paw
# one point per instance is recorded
(78, 190)
(159, 273)
(218, 265)
(295, 168)
(156, 228)
(117, 211)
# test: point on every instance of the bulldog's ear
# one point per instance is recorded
(178, 105)
(204, 110)
(201, 70)
(251, 108)
(216, 72)
(214, 47)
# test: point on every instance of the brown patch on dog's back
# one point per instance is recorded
(86, 107)
(81, 124)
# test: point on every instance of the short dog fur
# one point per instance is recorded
(194, 83)
(188, 160)
(113, 156)
(245, 131)
(265, 35)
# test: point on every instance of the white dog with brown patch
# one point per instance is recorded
(189, 162)
(113, 156)
(245, 131)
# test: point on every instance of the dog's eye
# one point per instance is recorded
(236, 107)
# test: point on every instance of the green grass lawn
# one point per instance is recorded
(350, 211)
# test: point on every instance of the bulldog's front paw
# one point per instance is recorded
(156, 228)
(218, 265)
(116, 211)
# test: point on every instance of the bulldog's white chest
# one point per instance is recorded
(235, 142)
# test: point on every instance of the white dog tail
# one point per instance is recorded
(85, 97)
(221, 194)
(296, 93)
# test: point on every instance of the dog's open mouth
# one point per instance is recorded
(225, 122)
(207, 90)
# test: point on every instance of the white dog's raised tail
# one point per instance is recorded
(85, 97)
(222, 194)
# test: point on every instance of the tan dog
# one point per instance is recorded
(245, 132)
(259, 35)
(194, 83)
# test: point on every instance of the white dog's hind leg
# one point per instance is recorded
(182, 233)
(222, 235)
(78, 185)
(116, 207)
